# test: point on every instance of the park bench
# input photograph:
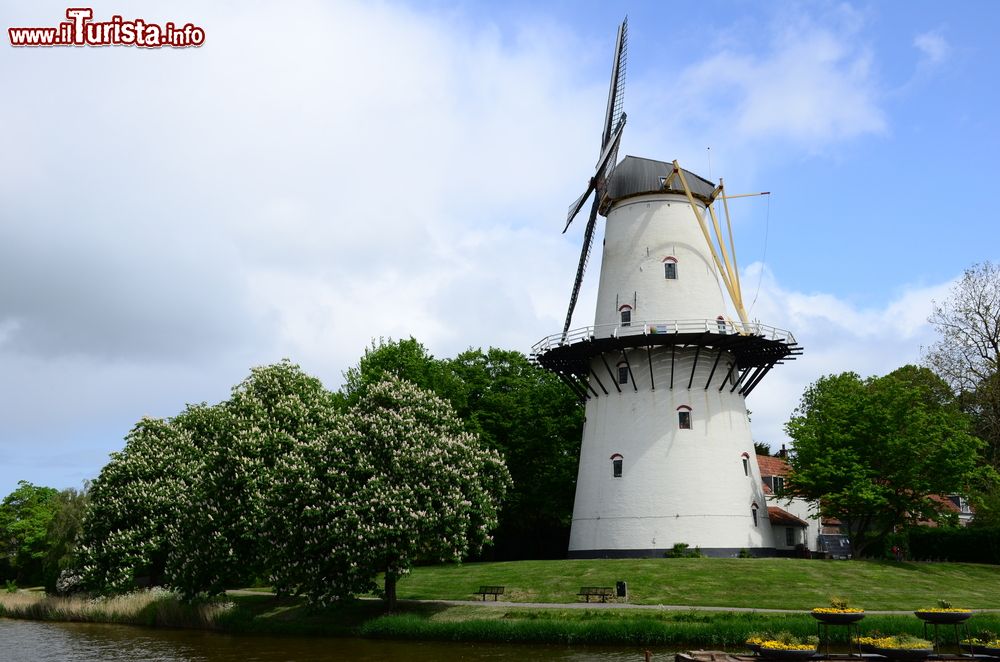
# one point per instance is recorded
(602, 592)
(490, 590)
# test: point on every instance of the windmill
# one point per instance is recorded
(667, 455)
(614, 124)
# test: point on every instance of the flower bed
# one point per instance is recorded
(942, 615)
(790, 650)
(838, 616)
(896, 648)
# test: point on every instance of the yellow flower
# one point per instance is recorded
(833, 610)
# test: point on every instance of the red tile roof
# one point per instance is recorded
(783, 517)
(772, 466)
(948, 504)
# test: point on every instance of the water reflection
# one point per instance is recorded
(29, 641)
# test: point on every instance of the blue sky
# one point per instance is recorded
(321, 174)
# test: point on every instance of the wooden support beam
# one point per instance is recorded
(753, 375)
(599, 383)
(631, 377)
(649, 357)
(739, 380)
(694, 366)
(750, 387)
(728, 375)
(613, 376)
(573, 386)
(714, 366)
(673, 353)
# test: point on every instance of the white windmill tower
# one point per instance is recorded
(667, 455)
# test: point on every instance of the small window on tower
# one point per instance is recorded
(746, 467)
(721, 321)
(684, 418)
(753, 513)
(622, 373)
(670, 270)
(616, 465)
(626, 317)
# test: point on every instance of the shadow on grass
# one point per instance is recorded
(272, 614)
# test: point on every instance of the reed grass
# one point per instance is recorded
(152, 608)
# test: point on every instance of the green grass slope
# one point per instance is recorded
(752, 583)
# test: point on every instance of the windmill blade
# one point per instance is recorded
(609, 157)
(588, 240)
(616, 92)
(577, 205)
(605, 164)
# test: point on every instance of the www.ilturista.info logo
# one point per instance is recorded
(81, 30)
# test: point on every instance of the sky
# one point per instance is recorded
(317, 175)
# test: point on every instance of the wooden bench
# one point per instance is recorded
(490, 590)
(602, 592)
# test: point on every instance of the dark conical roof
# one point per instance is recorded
(635, 175)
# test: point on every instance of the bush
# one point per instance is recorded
(681, 550)
(968, 545)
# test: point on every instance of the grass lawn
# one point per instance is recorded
(753, 583)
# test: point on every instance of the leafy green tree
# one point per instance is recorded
(63, 533)
(25, 516)
(873, 452)
(403, 359)
(535, 422)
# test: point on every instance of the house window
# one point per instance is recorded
(670, 270)
(616, 465)
(753, 513)
(684, 417)
(789, 536)
(623, 373)
(777, 484)
(626, 316)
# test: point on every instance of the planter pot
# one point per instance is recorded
(905, 654)
(980, 650)
(943, 617)
(774, 654)
(838, 619)
(752, 647)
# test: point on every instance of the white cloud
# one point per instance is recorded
(837, 336)
(812, 85)
(932, 46)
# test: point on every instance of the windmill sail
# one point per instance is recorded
(614, 123)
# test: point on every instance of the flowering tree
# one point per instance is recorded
(397, 482)
(219, 540)
(134, 503)
(431, 491)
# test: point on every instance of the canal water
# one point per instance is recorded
(32, 641)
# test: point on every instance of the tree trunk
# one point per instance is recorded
(390, 591)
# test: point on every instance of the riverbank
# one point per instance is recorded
(714, 589)
(432, 621)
